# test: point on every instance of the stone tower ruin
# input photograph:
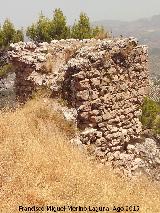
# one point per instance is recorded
(104, 80)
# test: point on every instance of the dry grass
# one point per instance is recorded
(38, 166)
(47, 67)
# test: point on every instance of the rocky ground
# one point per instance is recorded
(141, 157)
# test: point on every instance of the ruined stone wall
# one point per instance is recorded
(104, 80)
(39, 65)
(106, 83)
(3, 57)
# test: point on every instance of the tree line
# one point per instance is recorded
(45, 29)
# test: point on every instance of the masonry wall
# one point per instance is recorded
(105, 81)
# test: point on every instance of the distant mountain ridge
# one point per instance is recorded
(147, 30)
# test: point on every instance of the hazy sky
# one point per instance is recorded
(24, 12)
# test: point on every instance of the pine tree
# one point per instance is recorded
(8, 34)
(59, 28)
(82, 29)
(56, 28)
(40, 31)
(18, 36)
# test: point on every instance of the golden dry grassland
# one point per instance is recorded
(39, 166)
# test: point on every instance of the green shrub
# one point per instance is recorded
(156, 125)
(151, 115)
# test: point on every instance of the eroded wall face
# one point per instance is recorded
(24, 87)
(105, 81)
(40, 65)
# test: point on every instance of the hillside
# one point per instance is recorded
(147, 30)
(40, 167)
(154, 55)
